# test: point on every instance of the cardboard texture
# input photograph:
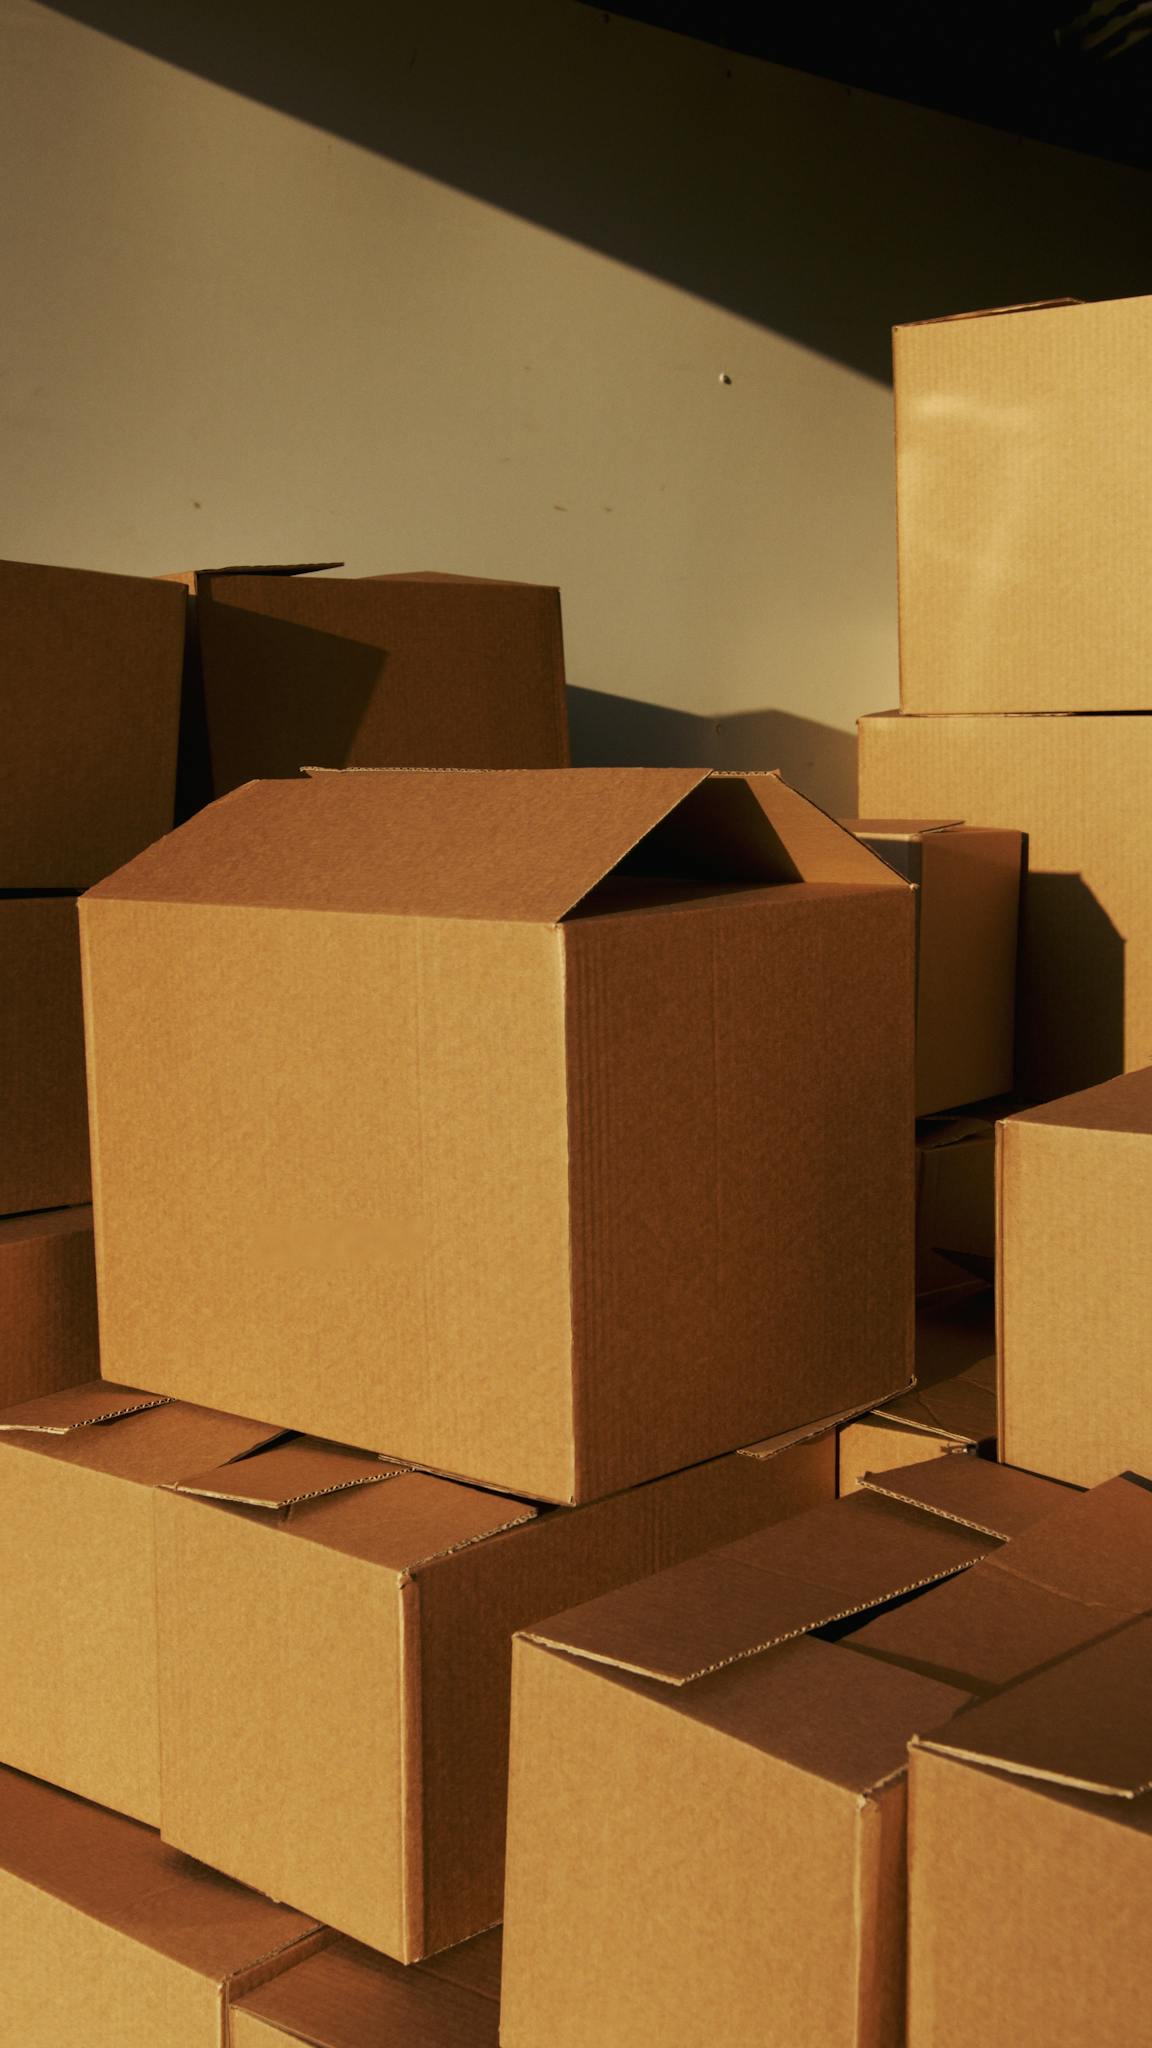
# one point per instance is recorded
(686, 1742)
(114, 1941)
(345, 1996)
(955, 1201)
(1023, 442)
(1075, 1300)
(967, 881)
(1077, 787)
(358, 1644)
(91, 691)
(484, 1089)
(43, 1104)
(421, 671)
(48, 1338)
(78, 1696)
(955, 1415)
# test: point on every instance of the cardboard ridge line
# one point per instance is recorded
(18, 1427)
(1015, 1768)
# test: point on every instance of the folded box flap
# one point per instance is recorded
(304, 1468)
(345, 1996)
(960, 1410)
(79, 1408)
(997, 1500)
(1082, 1723)
(1093, 1547)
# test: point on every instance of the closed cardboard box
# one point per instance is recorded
(706, 1806)
(48, 1337)
(967, 882)
(550, 1129)
(1023, 446)
(43, 1103)
(345, 1996)
(289, 668)
(78, 1692)
(1075, 1298)
(1078, 788)
(114, 1941)
(90, 667)
(335, 1637)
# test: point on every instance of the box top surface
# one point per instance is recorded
(504, 845)
(119, 1873)
(345, 1996)
(1123, 1104)
(143, 1437)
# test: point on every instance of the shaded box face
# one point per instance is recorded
(955, 1202)
(78, 1698)
(1077, 787)
(43, 1101)
(118, 1942)
(358, 1626)
(967, 882)
(477, 1147)
(345, 1996)
(954, 1416)
(1075, 1305)
(48, 1336)
(1023, 444)
(91, 667)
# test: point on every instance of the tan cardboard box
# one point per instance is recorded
(1078, 788)
(1075, 1299)
(706, 1815)
(48, 1337)
(955, 1415)
(43, 1103)
(1023, 443)
(113, 1941)
(91, 689)
(967, 881)
(955, 1201)
(359, 1619)
(515, 1113)
(345, 1996)
(78, 1691)
(417, 671)
(1031, 1829)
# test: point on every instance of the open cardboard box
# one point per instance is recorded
(356, 1622)
(48, 1334)
(549, 1129)
(43, 1101)
(345, 1996)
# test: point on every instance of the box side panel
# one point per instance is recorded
(368, 1236)
(48, 1337)
(283, 1715)
(744, 1870)
(742, 1172)
(967, 970)
(882, 1916)
(78, 1703)
(43, 1105)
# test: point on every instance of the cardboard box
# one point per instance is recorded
(957, 1415)
(1078, 788)
(685, 1743)
(345, 1996)
(417, 671)
(48, 1337)
(1031, 1824)
(967, 881)
(43, 1102)
(955, 1201)
(1023, 441)
(515, 1113)
(113, 1941)
(1075, 1299)
(359, 1618)
(91, 680)
(78, 1695)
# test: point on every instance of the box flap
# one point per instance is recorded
(807, 1432)
(1123, 1105)
(1083, 1723)
(304, 1468)
(962, 1410)
(79, 1408)
(994, 1499)
(346, 1996)
(898, 828)
(835, 1560)
(193, 578)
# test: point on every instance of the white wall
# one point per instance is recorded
(231, 333)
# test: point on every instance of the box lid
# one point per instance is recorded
(142, 1437)
(1123, 1104)
(345, 1996)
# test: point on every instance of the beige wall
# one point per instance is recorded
(231, 332)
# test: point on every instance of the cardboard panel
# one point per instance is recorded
(298, 1470)
(969, 910)
(344, 1996)
(995, 1499)
(48, 1333)
(955, 1201)
(43, 1105)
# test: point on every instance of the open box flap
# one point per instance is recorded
(995, 1499)
(79, 1408)
(304, 1468)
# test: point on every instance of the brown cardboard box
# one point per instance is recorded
(358, 1619)
(43, 1103)
(345, 1996)
(549, 1129)
(91, 680)
(48, 1337)
(675, 1745)
(1079, 788)
(955, 1201)
(1075, 1299)
(78, 1694)
(930, 1422)
(1023, 446)
(967, 882)
(113, 1941)
(1031, 1826)
(417, 671)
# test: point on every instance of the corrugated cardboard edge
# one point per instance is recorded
(870, 1483)
(419, 1564)
(1011, 1767)
(194, 1491)
(808, 1432)
(140, 1407)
